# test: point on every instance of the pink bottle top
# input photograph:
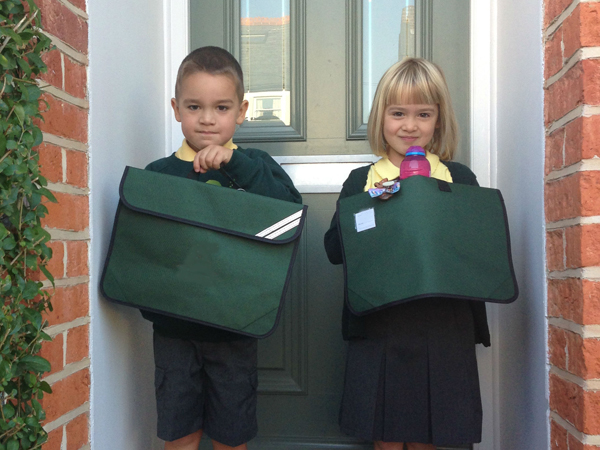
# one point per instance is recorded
(415, 163)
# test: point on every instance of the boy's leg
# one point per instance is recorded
(179, 391)
(189, 442)
(230, 397)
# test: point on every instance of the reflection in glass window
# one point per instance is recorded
(385, 41)
(265, 59)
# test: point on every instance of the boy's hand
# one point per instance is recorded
(212, 157)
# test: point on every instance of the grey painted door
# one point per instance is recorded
(301, 366)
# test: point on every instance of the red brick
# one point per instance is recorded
(558, 437)
(78, 432)
(590, 24)
(573, 196)
(584, 356)
(70, 213)
(51, 162)
(557, 347)
(69, 303)
(53, 352)
(54, 75)
(553, 9)
(577, 406)
(565, 299)
(591, 81)
(56, 265)
(590, 302)
(575, 300)
(553, 56)
(590, 190)
(63, 119)
(75, 78)
(555, 145)
(54, 441)
(59, 21)
(590, 146)
(67, 394)
(571, 35)
(583, 246)
(565, 94)
(77, 344)
(77, 258)
(562, 199)
(555, 250)
(575, 444)
(77, 168)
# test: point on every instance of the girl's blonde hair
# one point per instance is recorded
(414, 81)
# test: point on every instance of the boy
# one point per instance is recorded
(206, 377)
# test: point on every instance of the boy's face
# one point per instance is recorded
(208, 109)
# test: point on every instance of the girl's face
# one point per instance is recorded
(407, 125)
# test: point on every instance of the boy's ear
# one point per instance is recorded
(242, 114)
(175, 109)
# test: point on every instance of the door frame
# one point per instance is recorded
(483, 153)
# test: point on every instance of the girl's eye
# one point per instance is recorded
(397, 113)
(425, 115)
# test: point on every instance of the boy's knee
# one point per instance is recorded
(189, 442)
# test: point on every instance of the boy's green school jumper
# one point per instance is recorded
(253, 170)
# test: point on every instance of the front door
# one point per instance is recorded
(311, 68)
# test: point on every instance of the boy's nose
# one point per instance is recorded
(207, 117)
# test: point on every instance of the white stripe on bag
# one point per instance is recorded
(281, 227)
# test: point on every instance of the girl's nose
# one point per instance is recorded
(409, 123)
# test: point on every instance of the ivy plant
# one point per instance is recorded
(24, 253)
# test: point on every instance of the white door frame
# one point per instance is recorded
(483, 151)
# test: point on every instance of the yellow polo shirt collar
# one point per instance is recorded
(187, 153)
(384, 168)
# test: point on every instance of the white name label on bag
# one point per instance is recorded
(365, 220)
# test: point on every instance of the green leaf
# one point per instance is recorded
(20, 112)
(44, 386)
(35, 363)
(13, 445)
(8, 410)
(48, 275)
(31, 290)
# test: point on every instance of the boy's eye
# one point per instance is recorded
(193, 107)
(222, 108)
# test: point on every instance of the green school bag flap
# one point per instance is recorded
(431, 239)
(203, 253)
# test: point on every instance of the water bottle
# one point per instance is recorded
(415, 163)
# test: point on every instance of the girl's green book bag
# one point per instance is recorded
(431, 239)
(204, 253)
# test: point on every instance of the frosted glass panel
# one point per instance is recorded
(265, 59)
(388, 36)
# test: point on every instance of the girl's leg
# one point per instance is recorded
(380, 445)
(189, 442)
(219, 446)
(417, 446)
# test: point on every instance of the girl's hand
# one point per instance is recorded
(212, 157)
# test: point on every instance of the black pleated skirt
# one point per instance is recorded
(414, 378)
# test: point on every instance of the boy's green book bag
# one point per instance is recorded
(204, 253)
(431, 239)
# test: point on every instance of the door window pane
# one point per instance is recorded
(265, 58)
(388, 36)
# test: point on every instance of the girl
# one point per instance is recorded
(411, 375)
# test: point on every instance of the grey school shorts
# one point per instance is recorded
(209, 386)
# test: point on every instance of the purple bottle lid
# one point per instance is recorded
(415, 150)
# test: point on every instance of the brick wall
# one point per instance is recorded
(572, 205)
(64, 161)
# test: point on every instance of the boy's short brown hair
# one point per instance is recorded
(212, 60)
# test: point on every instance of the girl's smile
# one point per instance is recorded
(408, 125)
